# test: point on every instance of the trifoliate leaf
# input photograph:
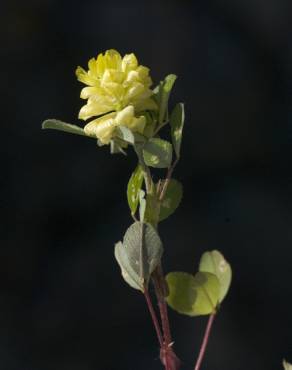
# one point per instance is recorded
(161, 94)
(287, 365)
(171, 199)
(177, 119)
(55, 124)
(215, 263)
(157, 153)
(133, 189)
(139, 254)
(193, 295)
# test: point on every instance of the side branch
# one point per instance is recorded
(205, 341)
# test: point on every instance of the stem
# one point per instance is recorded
(167, 355)
(167, 180)
(145, 169)
(205, 341)
(160, 290)
(153, 316)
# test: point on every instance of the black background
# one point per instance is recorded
(63, 304)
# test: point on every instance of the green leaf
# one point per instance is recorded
(152, 209)
(125, 134)
(116, 147)
(287, 365)
(139, 254)
(130, 137)
(162, 93)
(142, 202)
(215, 263)
(171, 199)
(177, 119)
(193, 295)
(55, 124)
(157, 153)
(128, 273)
(133, 189)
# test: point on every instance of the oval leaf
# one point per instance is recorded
(162, 93)
(171, 199)
(157, 153)
(139, 254)
(215, 263)
(55, 124)
(133, 189)
(177, 119)
(193, 295)
(129, 275)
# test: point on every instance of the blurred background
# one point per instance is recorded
(63, 303)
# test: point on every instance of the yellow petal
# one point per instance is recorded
(146, 104)
(93, 109)
(129, 62)
(92, 67)
(113, 59)
(125, 116)
(102, 128)
(82, 76)
(88, 91)
(138, 124)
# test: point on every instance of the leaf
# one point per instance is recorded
(125, 134)
(129, 275)
(177, 119)
(152, 209)
(157, 153)
(215, 263)
(133, 189)
(139, 254)
(116, 147)
(130, 137)
(162, 93)
(55, 124)
(142, 207)
(287, 365)
(193, 295)
(171, 199)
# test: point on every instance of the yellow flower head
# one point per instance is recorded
(113, 84)
(103, 128)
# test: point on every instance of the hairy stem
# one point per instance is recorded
(205, 341)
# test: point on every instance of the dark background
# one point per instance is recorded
(63, 304)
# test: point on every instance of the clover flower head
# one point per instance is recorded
(114, 83)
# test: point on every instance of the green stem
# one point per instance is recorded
(167, 180)
(145, 168)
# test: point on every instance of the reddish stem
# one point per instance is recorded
(205, 341)
(167, 355)
(154, 317)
